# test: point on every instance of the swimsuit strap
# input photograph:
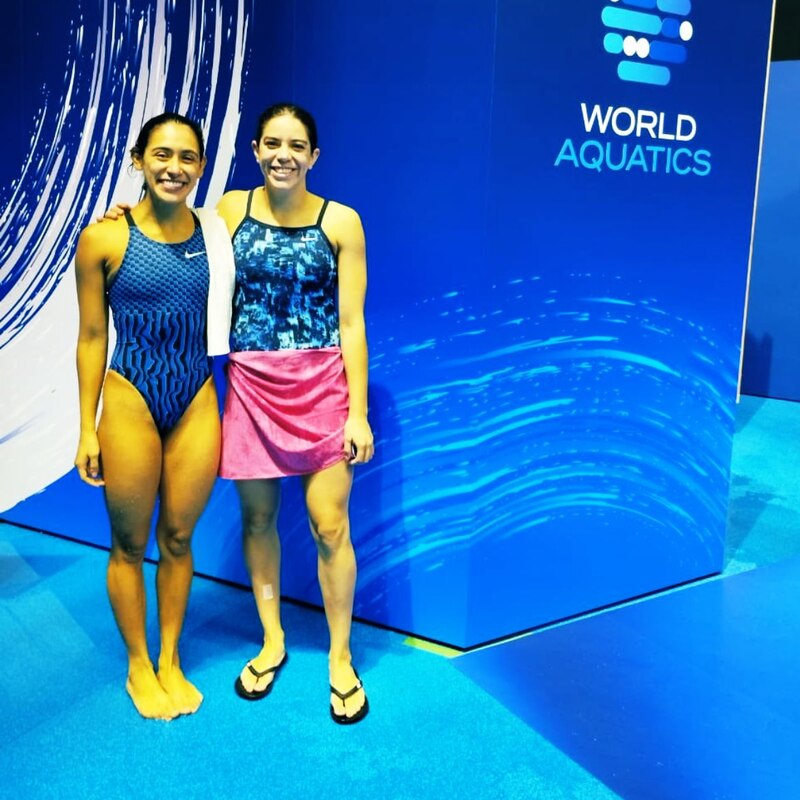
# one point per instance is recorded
(321, 213)
(132, 224)
(317, 224)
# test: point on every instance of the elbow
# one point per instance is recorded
(352, 325)
(93, 335)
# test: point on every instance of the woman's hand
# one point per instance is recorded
(359, 446)
(87, 460)
(115, 212)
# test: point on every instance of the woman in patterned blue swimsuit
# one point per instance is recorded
(158, 434)
(297, 387)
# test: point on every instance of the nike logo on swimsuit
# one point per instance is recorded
(192, 255)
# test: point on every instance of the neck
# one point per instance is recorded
(165, 215)
(285, 202)
(164, 222)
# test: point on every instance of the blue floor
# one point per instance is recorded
(68, 729)
(693, 694)
(690, 694)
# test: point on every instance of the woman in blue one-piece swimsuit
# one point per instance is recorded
(158, 433)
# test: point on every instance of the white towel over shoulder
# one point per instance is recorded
(222, 274)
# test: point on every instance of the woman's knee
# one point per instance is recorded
(331, 531)
(175, 541)
(128, 546)
(261, 521)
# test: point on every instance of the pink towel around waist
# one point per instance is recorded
(284, 413)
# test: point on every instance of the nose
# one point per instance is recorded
(174, 165)
(283, 152)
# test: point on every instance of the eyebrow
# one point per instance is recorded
(185, 150)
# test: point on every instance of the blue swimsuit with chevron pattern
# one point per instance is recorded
(159, 301)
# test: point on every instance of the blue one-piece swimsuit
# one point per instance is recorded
(159, 302)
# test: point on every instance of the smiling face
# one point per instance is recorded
(171, 162)
(284, 152)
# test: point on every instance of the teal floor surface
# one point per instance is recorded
(68, 730)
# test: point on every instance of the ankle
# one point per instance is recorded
(339, 660)
(139, 664)
(169, 661)
(274, 642)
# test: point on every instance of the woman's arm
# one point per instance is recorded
(352, 262)
(92, 350)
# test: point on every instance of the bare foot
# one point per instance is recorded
(185, 696)
(344, 678)
(148, 696)
(271, 655)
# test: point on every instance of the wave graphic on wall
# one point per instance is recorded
(127, 63)
(605, 413)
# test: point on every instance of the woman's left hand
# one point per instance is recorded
(359, 446)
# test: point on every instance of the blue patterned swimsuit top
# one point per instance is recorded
(159, 301)
(286, 280)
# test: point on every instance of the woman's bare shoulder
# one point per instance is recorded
(339, 215)
(104, 239)
(234, 199)
(232, 207)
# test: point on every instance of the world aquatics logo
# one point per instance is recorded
(651, 42)
(651, 36)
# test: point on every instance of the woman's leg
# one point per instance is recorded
(190, 461)
(260, 501)
(130, 450)
(327, 497)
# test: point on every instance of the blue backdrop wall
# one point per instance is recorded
(558, 204)
(771, 364)
(772, 357)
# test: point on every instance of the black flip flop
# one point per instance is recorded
(259, 693)
(343, 719)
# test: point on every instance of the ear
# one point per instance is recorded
(314, 157)
(254, 148)
(202, 167)
(136, 160)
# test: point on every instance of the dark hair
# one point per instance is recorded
(278, 110)
(137, 151)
